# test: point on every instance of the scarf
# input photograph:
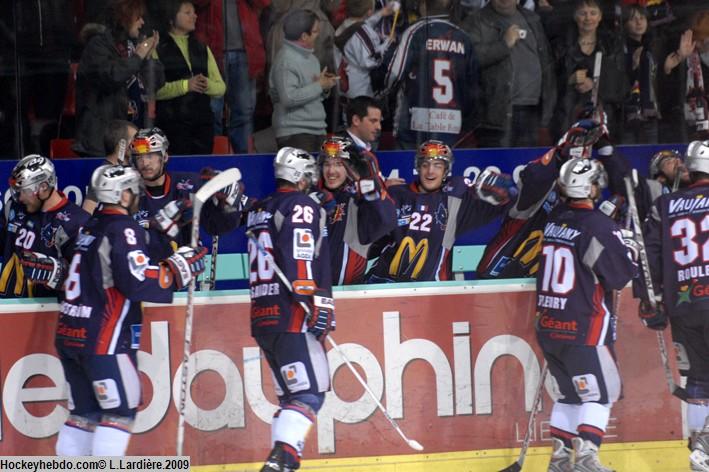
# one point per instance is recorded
(137, 95)
(695, 109)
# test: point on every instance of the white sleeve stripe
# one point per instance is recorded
(119, 327)
(401, 54)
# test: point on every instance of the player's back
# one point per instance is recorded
(582, 259)
(685, 249)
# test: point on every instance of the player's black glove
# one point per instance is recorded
(186, 263)
(494, 188)
(653, 318)
(43, 269)
(229, 196)
(322, 315)
(578, 140)
(367, 175)
(325, 199)
(172, 217)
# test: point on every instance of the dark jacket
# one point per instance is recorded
(101, 88)
(497, 70)
(613, 86)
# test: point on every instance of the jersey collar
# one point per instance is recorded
(165, 188)
(61, 203)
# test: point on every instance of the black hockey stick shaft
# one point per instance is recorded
(517, 466)
(675, 389)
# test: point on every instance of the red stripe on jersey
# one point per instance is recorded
(302, 270)
(588, 429)
(561, 433)
(443, 272)
(111, 314)
(598, 316)
(297, 317)
(356, 265)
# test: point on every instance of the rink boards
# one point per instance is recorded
(455, 363)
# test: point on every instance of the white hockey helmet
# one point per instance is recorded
(577, 176)
(30, 172)
(659, 158)
(149, 140)
(293, 164)
(109, 182)
(697, 159)
(434, 150)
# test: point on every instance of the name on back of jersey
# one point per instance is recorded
(688, 205)
(265, 290)
(445, 45)
(553, 231)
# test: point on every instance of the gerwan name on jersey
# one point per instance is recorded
(445, 45)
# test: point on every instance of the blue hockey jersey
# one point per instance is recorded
(50, 232)
(583, 259)
(109, 276)
(290, 226)
(436, 72)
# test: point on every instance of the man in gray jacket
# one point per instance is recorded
(298, 86)
(518, 83)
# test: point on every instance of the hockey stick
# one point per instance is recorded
(214, 185)
(675, 389)
(412, 443)
(517, 466)
(122, 144)
(210, 283)
(596, 78)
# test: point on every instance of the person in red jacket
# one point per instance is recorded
(234, 36)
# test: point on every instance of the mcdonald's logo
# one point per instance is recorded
(416, 255)
(528, 252)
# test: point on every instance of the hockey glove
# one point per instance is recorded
(229, 196)
(613, 207)
(186, 263)
(653, 318)
(630, 243)
(43, 269)
(494, 188)
(325, 199)
(578, 140)
(322, 315)
(169, 219)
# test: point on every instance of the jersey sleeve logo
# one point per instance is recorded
(303, 244)
(137, 263)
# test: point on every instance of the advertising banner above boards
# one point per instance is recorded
(456, 364)
(257, 173)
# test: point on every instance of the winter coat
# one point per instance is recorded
(101, 88)
(496, 69)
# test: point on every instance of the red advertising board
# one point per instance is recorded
(456, 365)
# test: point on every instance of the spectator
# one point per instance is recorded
(517, 75)
(436, 68)
(360, 49)
(116, 154)
(575, 58)
(192, 77)
(641, 109)
(684, 73)
(116, 73)
(297, 85)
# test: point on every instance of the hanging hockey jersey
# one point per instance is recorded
(352, 227)
(290, 226)
(436, 72)
(676, 237)
(179, 186)
(109, 276)
(583, 259)
(50, 232)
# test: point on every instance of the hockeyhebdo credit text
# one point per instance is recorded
(47, 463)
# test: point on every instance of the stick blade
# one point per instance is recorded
(513, 468)
(217, 183)
(413, 444)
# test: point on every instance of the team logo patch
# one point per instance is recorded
(63, 216)
(295, 376)
(303, 244)
(47, 235)
(135, 335)
(106, 392)
(586, 387)
(338, 214)
(137, 263)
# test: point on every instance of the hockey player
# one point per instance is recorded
(435, 72)
(164, 209)
(98, 332)
(583, 259)
(362, 211)
(676, 239)
(433, 211)
(288, 230)
(41, 226)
